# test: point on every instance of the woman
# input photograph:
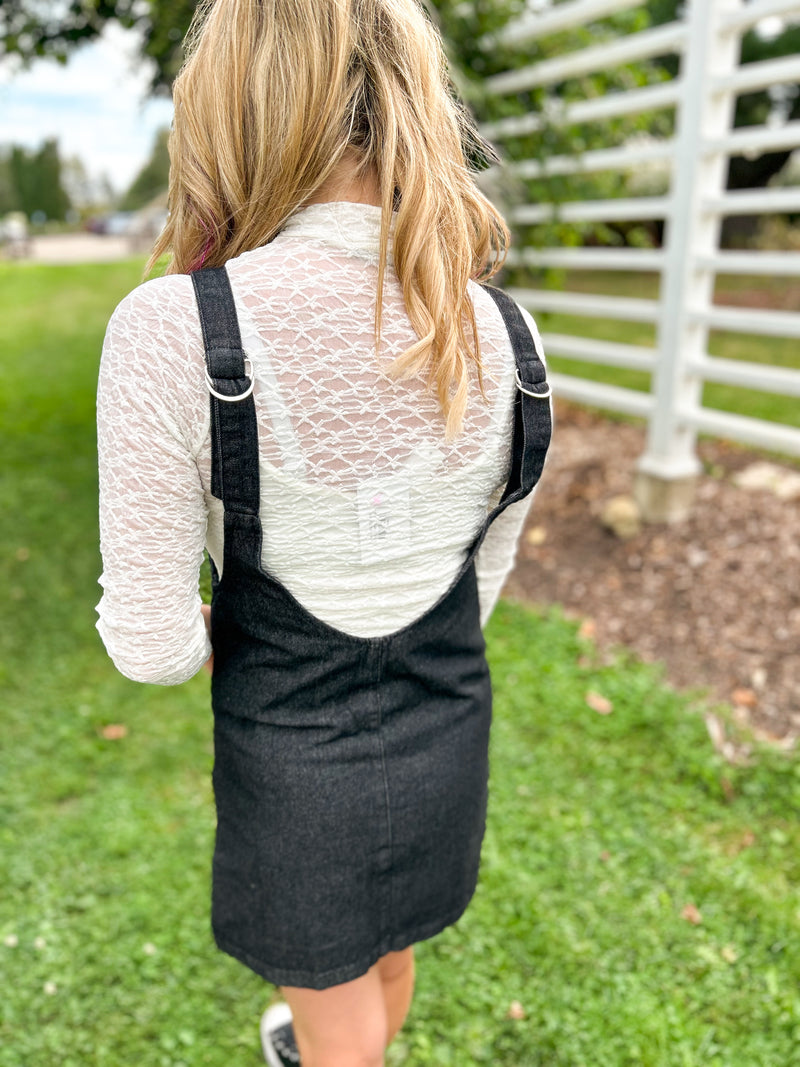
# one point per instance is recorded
(365, 428)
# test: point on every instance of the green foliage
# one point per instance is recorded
(9, 201)
(29, 29)
(31, 181)
(478, 56)
(602, 828)
(152, 179)
(751, 108)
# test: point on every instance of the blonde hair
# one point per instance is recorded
(272, 95)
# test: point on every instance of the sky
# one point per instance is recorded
(96, 105)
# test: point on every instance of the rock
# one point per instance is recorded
(783, 482)
(696, 556)
(622, 516)
(758, 678)
(536, 535)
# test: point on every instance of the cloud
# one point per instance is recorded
(96, 106)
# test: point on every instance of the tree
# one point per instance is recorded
(50, 197)
(8, 192)
(30, 181)
(30, 29)
(86, 193)
(751, 108)
(152, 179)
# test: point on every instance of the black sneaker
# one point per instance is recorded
(277, 1037)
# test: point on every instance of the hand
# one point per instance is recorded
(206, 612)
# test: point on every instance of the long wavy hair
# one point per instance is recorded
(272, 95)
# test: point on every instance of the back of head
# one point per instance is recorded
(272, 95)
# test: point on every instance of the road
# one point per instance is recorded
(79, 248)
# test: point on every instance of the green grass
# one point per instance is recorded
(601, 830)
(772, 351)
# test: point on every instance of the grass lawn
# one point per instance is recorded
(603, 831)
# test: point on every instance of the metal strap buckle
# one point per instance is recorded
(539, 396)
(237, 396)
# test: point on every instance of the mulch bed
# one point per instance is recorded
(715, 598)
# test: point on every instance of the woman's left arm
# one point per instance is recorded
(151, 418)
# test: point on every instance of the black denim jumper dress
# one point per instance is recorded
(350, 774)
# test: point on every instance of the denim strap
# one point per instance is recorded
(532, 421)
(234, 464)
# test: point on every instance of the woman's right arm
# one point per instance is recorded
(151, 421)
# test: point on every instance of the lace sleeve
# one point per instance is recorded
(150, 412)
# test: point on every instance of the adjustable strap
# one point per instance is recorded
(229, 375)
(532, 422)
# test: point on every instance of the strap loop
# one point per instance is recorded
(248, 375)
(548, 390)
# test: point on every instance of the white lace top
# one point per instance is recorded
(366, 510)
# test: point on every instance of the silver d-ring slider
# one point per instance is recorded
(539, 396)
(248, 372)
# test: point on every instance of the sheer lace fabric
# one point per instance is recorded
(366, 510)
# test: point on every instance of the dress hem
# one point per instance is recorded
(305, 979)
